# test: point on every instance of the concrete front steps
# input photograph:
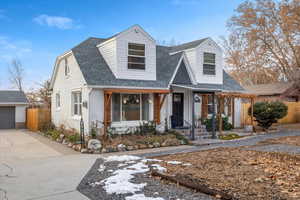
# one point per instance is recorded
(200, 132)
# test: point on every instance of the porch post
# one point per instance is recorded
(193, 116)
(214, 117)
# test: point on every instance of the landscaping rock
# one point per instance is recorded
(156, 144)
(84, 151)
(61, 136)
(182, 142)
(150, 146)
(77, 147)
(94, 144)
(65, 142)
(143, 146)
(121, 147)
(104, 150)
(130, 148)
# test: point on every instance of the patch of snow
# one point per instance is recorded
(158, 168)
(130, 162)
(101, 168)
(122, 158)
(95, 184)
(122, 165)
(151, 160)
(110, 170)
(142, 197)
(173, 162)
(119, 182)
(187, 164)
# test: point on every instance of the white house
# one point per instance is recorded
(127, 78)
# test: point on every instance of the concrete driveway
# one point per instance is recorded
(32, 168)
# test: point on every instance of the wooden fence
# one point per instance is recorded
(293, 115)
(36, 117)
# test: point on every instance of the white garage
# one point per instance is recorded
(12, 109)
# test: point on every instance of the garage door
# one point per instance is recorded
(7, 117)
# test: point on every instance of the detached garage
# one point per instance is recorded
(12, 109)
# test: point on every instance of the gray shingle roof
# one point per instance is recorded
(229, 84)
(97, 72)
(12, 96)
(188, 45)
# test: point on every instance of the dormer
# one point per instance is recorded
(206, 60)
(131, 54)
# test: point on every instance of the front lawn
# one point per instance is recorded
(234, 173)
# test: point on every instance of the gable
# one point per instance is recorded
(182, 76)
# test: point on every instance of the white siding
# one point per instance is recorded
(238, 112)
(195, 57)
(20, 113)
(109, 53)
(131, 36)
(96, 107)
(65, 85)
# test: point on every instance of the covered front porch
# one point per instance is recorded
(200, 112)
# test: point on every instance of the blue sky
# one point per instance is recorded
(37, 31)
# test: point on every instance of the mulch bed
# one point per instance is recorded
(238, 174)
(290, 140)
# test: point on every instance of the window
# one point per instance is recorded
(209, 64)
(77, 103)
(67, 69)
(57, 97)
(130, 107)
(136, 56)
(210, 105)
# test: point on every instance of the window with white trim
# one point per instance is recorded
(77, 103)
(209, 63)
(130, 107)
(57, 99)
(136, 56)
(67, 69)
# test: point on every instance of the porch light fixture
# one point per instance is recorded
(197, 99)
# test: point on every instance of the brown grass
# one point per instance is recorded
(290, 140)
(244, 174)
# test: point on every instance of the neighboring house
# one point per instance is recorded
(128, 78)
(12, 109)
(282, 91)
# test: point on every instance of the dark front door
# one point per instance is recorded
(177, 118)
(7, 117)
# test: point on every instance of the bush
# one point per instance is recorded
(47, 126)
(179, 136)
(74, 138)
(226, 126)
(54, 134)
(267, 113)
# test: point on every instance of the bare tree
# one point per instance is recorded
(16, 72)
(40, 96)
(264, 41)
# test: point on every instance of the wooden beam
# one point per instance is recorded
(107, 112)
(144, 91)
(221, 105)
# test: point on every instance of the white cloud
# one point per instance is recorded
(56, 21)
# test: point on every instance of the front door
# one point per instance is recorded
(177, 118)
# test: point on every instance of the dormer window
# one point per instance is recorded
(136, 56)
(209, 64)
(67, 69)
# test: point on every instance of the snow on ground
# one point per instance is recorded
(142, 197)
(158, 168)
(101, 168)
(151, 160)
(119, 182)
(187, 164)
(173, 162)
(122, 158)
